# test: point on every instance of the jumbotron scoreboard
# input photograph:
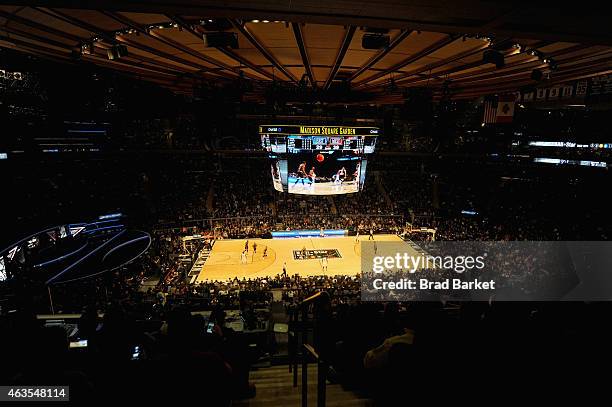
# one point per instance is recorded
(318, 160)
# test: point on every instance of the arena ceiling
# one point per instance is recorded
(432, 44)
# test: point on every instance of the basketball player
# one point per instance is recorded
(356, 174)
(254, 248)
(312, 176)
(265, 253)
(322, 233)
(301, 173)
(243, 257)
(357, 236)
(341, 174)
(371, 237)
(284, 269)
(338, 178)
(246, 246)
(324, 264)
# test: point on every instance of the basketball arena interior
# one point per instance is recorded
(300, 203)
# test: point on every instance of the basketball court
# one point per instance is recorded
(225, 262)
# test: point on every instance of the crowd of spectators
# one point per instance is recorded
(151, 303)
(408, 191)
(369, 201)
(238, 195)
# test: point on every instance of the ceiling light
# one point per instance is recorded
(265, 21)
(254, 21)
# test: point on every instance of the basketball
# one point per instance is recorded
(320, 157)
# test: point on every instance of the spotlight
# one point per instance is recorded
(87, 48)
(254, 21)
(265, 21)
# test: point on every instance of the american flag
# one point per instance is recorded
(490, 112)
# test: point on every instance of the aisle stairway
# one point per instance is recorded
(275, 388)
(381, 188)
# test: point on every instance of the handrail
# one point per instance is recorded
(310, 299)
(311, 350)
(307, 351)
(321, 376)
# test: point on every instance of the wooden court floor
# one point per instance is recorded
(225, 259)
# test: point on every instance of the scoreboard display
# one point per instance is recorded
(318, 160)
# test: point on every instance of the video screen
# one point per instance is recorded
(278, 168)
(318, 160)
(3, 273)
(274, 143)
(324, 173)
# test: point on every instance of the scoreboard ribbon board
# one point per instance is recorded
(316, 254)
(319, 130)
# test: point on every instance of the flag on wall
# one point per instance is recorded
(490, 112)
(505, 109)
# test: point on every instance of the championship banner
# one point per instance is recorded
(601, 85)
(553, 93)
(593, 90)
(600, 89)
(581, 88)
(566, 91)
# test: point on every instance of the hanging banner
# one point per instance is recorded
(505, 108)
(566, 91)
(553, 93)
